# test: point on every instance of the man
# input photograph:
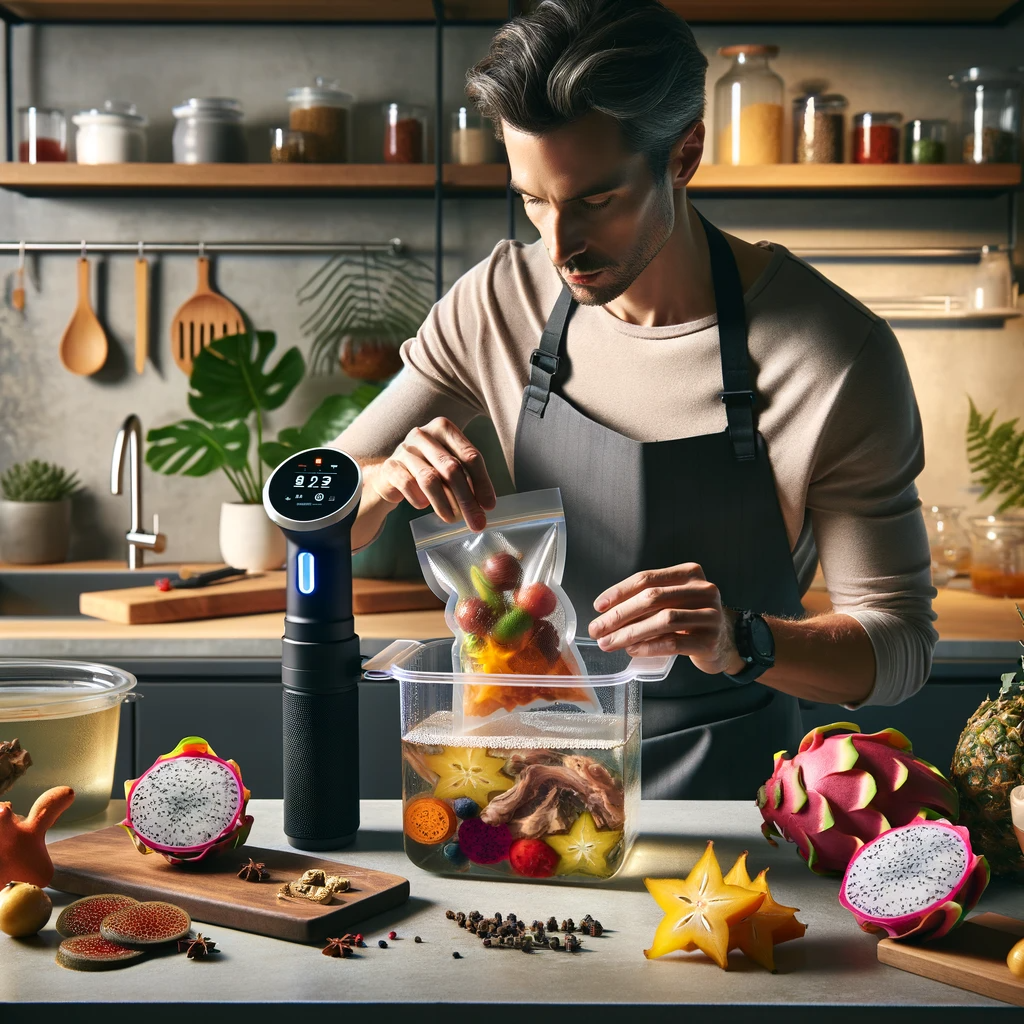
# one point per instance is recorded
(712, 411)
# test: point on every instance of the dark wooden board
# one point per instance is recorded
(211, 892)
(972, 957)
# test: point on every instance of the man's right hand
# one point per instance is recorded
(436, 466)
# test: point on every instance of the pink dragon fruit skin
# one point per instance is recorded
(967, 877)
(232, 827)
(840, 791)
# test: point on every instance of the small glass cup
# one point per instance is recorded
(925, 142)
(992, 286)
(44, 136)
(405, 133)
(472, 138)
(288, 147)
(949, 543)
(997, 555)
(876, 138)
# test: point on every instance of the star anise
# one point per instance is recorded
(338, 947)
(254, 871)
(14, 762)
(197, 948)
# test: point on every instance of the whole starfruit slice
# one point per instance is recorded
(585, 849)
(467, 771)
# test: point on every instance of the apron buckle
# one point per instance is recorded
(546, 361)
(745, 393)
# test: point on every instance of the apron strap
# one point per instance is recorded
(545, 358)
(737, 391)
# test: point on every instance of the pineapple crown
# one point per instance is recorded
(1013, 682)
(37, 481)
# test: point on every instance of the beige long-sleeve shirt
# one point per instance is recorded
(836, 408)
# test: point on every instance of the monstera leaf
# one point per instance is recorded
(195, 448)
(325, 423)
(230, 381)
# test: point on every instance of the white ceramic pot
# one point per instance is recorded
(248, 539)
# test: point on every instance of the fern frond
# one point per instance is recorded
(996, 457)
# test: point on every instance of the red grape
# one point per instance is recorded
(474, 615)
(537, 599)
(503, 571)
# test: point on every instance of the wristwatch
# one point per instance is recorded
(756, 646)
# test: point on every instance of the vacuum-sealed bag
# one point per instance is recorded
(505, 605)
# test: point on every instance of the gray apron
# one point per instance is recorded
(708, 499)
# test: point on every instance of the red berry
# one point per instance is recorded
(503, 571)
(537, 599)
(545, 639)
(474, 615)
(163, 584)
(392, 935)
(533, 858)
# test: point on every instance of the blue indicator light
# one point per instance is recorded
(306, 573)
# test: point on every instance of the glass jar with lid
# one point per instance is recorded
(925, 142)
(991, 114)
(405, 133)
(748, 108)
(322, 112)
(949, 543)
(819, 128)
(997, 555)
(876, 138)
(112, 134)
(209, 131)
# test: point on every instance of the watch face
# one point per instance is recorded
(761, 639)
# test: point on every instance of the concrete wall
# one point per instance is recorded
(47, 413)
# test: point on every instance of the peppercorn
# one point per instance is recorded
(568, 926)
(572, 944)
(416, 938)
(487, 943)
(512, 918)
(595, 929)
(460, 919)
(552, 925)
(553, 942)
(456, 955)
(585, 923)
(450, 914)
(497, 918)
(382, 944)
(475, 915)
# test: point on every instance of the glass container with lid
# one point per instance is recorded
(819, 129)
(925, 142)
(405, 133)
(997, 555)
(991, 114)
(322, 111)
(209, 131)
(44, 135)
(748, 108)
(66, 715)
(112, 134)
(876, 138)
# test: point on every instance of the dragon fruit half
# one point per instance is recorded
(917, 881)
(188, 805)
(838, 792)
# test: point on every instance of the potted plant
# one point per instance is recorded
(35, 512)
(231, 391)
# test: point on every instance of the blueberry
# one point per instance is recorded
(465, 807)
(454, 855)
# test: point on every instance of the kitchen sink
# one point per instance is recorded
(53, 593)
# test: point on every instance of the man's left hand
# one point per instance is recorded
(668, 611)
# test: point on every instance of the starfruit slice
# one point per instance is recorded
(699, 910)
(467, 771)
(585, 849)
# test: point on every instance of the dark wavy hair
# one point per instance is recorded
(634, 60)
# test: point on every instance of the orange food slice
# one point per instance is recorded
(429, 821)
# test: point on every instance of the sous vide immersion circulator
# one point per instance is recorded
(314, 496)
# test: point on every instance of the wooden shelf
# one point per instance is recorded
(697, 11)
(55, 179)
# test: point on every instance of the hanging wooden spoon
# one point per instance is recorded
(141, 311)
(83, 347)
(205, 317)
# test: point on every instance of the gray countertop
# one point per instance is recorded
(833, 966)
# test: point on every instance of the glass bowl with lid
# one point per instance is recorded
(66, 715)
(112, 134)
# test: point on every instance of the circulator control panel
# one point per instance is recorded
(313, 490)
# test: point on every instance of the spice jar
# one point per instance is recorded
(949, 543)
(405, 133)
(991, 114)
(44, 135)
(288, 147)
(818, 129)
(748, 108)
(472, 139)
(113, 134)
(924, 142)
(322, 111)
(209, 131)
(997, 555)
(876, 138)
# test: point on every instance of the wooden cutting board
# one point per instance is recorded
(212, 892)
(251, 595)
(972, 957)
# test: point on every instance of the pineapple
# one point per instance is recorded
(987, 764)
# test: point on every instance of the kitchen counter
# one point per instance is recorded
(834, 966)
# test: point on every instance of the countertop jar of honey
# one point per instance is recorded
(997, 555)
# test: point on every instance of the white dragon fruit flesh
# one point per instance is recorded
(840, 791)
(918, 881)
(188, 805)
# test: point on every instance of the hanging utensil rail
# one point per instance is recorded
(392, 247)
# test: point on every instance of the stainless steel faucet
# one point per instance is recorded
(130, 437)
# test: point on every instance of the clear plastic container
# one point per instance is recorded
(209, 131)
(748, 108)
(991, 114)
(819, 129)
(549, 791)
(925, 142)
(405, 133)
(66, 715)
(112, 134)
(876, 138)
(44, 136)
(997, 555)
(472, 138)
(323, 112)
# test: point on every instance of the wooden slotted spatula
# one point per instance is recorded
(205, 317)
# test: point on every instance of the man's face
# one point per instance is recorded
(598, 209)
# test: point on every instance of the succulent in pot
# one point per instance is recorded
(35, 512)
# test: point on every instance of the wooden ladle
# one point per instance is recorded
(83, 347)
(203, 318)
